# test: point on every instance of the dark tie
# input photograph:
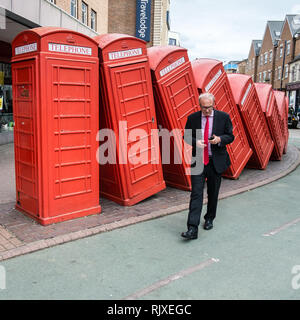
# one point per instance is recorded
(206, 130)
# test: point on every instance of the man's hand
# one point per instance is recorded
(200, 144)
(215, 140)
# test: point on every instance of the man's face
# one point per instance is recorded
(207, 106)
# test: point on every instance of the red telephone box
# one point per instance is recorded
(255, 124)
(283, 112)
(55, 96)
(176, 97)
(269, 107)
(127, 108)
(210, 76)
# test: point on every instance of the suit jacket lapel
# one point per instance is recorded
(198, 120)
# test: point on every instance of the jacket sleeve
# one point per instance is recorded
(228, 136)
(189, 134)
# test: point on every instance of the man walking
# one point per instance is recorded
(216, 127)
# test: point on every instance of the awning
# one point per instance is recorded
(293, 86)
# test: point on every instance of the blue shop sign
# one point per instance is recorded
(143, 19)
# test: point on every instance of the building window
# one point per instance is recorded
(260, 77)
(266, 57)
(172, 42)
(288, 47)
(264, 75)
(293, 75)
(279, 73)
(84, 10)
(269, 75)
(280, 51)
(74, 8)
(286, 71)
(271, 56)
(261, 60)
(93, 20)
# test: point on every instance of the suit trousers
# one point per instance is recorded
(196, 200)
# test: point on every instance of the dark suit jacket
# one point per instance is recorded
(222, 127)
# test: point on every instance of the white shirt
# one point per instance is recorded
(203, 123)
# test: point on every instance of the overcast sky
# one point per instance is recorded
(222, 29)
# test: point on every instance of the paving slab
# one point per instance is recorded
(20, 234)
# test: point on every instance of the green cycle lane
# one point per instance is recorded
(251, 253)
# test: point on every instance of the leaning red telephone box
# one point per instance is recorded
(270, 109)
(127, 109)
(283, 112)
(176, 97)
(210, 76)
(55, 96)
(255, 124)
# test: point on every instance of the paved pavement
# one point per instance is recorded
(20, 234)
(251, 253)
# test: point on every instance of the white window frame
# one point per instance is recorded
(279, 73)
(93, 19)
(280, 51)
(288, 47)
(294, 73)
(74, 8)
(265, 57)
(84, 13)
(286, 71)
(260, 77)
(271, 55)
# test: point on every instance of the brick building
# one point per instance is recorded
(92, 13)
(241, 66)
(122, 19)
(293, 83)
(119, 16)
(293, 87)
(252, 61)
(269, 59)
(286, 51)
(268, 52)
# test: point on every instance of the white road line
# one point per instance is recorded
(170, 279)
(286, 225)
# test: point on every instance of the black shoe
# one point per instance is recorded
(191, 234)
(208, 224)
